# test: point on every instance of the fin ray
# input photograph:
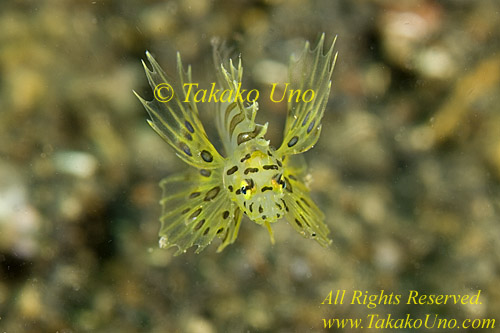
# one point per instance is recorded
(313, 70)
(193, 210)
(177, 121)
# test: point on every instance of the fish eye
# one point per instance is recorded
(281, 181)
(246, 188)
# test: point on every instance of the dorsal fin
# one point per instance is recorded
(235, 121)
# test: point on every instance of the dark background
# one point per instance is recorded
(407, 168)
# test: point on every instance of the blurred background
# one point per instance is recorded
(407, 169)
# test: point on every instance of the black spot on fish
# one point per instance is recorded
(292, 177)
(279, 163)
(185, 211)
(189, 126)
(293, 141)
(284, 204)
(220, 230)
(225, 214)
(261, 210)
(251, 207)
(266, 188)
(306, 118)
(206, 156)
(250, 170)
(185, 148)
(195, 213)
(206, 231)
(199, 225)
(311, 125)
(305, 201)
(298, 223)
(194, 195)
(279, 206)
(205, 172)
(212, 193)
(232, 170)
(228, 111)
(247, 156)
(238, 118)
(264, 217)
(230, 188)
(299, 204)
(313, 234)
(270, 167)
(278, 215)
(238, 191)
(305, 220)
(247, 136)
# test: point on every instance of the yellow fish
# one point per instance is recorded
(253, 178)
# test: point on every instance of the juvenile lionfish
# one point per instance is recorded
(253, 178)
